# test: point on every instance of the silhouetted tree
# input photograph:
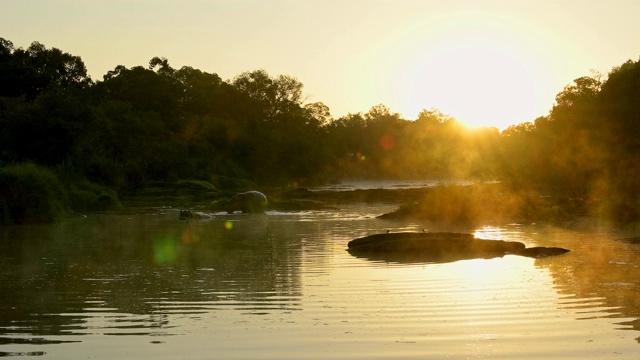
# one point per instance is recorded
(318, 112)
(275, 95)
(161, 123)
(37, 69)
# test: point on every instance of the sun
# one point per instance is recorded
(481, 79)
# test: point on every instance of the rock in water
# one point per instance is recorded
(540, 252)
(439, 247)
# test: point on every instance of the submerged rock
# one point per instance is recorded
(540, 252)
(440, 247)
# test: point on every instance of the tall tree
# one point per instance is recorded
(319, 112)
(275, 95)
(37, 69)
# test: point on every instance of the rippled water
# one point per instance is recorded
(282, 286)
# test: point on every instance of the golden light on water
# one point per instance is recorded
(290, 275)
(490, 233)
(482, 271)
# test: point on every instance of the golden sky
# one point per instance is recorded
(485, 62)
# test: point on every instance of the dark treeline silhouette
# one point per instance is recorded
(157, 123)
(161, 123)
(588, 146)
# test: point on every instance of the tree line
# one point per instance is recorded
(588, 145)
(158, 123)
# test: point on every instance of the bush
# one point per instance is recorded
(88, 196)
(31, 193)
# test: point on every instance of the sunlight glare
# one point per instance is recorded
(479, 75)
(489, 233)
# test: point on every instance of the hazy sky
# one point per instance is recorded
(484, 62)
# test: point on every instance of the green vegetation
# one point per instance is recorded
(158, 125)
(31, 193)
(87, 196)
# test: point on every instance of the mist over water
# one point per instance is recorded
(348, 185)
(282, 285)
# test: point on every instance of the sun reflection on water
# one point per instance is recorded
(286, 282)
(489, 233)
(511, 232)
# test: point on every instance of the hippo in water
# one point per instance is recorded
(248, 202)
(188, 214)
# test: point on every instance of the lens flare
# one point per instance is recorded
(228, 225)
(387, 142)
(190, 236)
(165, 250)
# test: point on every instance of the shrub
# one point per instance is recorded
(88, 196)
(31, 193)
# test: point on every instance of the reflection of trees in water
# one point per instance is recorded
(55, 278)
(602, 269)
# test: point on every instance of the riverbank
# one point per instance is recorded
(444, 203)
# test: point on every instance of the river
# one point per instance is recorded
(281, 285)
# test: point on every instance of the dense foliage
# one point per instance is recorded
(157, 123)
(588, 146)
(31, 193)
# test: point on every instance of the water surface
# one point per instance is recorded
(146, 285)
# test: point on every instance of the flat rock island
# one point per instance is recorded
(440, 247)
